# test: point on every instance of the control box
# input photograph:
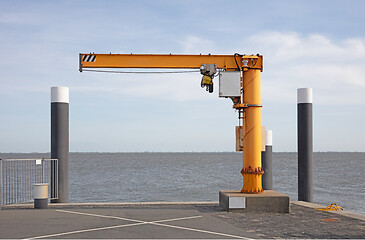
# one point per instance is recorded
(230, 84)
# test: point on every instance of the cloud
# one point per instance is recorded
(196, 45)
(181, 87)
(334, 68)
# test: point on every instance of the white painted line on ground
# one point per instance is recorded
(199, 230)
(83, 231)
(176, 219)
(138, 222)
(103, 216)
(127, 219)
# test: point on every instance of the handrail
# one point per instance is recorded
(26, 159)
(18, 176)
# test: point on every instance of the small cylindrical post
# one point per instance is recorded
(267, 162)
(60, 141)
(305, 145)
(41, 195)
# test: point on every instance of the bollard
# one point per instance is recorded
(267, 162)
(41, 195)
(305, 145)
(60, 141)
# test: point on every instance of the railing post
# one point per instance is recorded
(1, 183)
(43, 173)
(60, 140)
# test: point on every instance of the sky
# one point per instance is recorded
(305, 44)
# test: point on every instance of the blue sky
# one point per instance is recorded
(317, 44)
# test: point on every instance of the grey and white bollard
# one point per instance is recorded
(267, 162)
(60, 142)
(305, 145)
(41, 195)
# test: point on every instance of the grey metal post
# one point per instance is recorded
(43, 171)
(60, 141)
(267, 162)
(305, 145)
(1, 183)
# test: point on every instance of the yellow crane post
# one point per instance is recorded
(248, 104)
(251, 107)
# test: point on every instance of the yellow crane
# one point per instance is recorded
(248, 68)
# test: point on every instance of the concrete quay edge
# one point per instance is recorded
(131, 204)
(103, 204)
(343, 212)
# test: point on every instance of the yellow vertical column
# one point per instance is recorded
(252, 171)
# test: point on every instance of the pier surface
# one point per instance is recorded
(174, 220)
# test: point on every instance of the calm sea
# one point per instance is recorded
(143, 177)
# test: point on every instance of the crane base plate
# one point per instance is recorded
(268, 201)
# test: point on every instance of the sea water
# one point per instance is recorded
(338, 177)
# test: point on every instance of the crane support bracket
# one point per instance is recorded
(244, 105)
(227, 62)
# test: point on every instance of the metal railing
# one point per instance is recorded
(18, 176)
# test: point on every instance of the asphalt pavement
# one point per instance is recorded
(174, 221)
